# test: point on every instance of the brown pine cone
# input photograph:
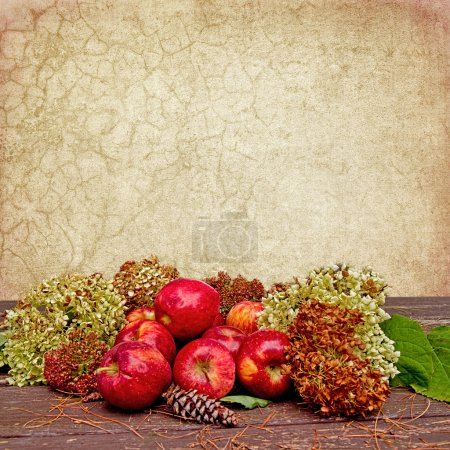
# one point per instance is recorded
(192, 405)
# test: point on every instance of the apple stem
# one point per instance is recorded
(110, 369)
(206, 374)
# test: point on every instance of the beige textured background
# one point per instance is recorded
(325, 122)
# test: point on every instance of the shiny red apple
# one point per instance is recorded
(132, 376)
(230, 337)
(147, 312)
(152, 333)
(218, 321)
(187, 307)
(259, 364)
(243, 315)
(205, 365)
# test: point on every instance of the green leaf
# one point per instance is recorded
(439, 337)
(416, 361)
(3, 340)
(70, 312)
(424, 363)
(439, 388)
(246, 401)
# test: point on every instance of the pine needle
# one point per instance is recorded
(108, 419)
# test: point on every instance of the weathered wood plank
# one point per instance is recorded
(423, 433)
(429, 311)
(18, 402)
(423, 423)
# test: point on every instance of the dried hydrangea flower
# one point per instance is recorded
(71, 367)
(280, 308)
(45, 317)
(281, 286)
(138, 282)
(347, 287)
(235, 290)
(323, 364)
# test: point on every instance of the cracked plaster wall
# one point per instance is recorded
(123, 122)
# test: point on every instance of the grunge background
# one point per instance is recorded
(324, 123)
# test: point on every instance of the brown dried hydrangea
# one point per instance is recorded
(138, 282)
(279, 286)
(235, 290)
(322, 363)
(71, 367)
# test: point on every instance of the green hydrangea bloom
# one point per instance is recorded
(3, 340)
(346, 287)
(45, 317)
(280, 309)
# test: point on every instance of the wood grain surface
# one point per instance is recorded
(29, 419)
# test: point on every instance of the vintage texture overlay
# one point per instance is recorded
(316, 129)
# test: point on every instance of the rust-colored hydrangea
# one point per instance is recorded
(138, 282)
(235, 290)
(71, 367)
(280, 286)
(324, 367)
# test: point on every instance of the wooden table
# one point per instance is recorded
(407, 420)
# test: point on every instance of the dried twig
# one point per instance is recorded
(60, 409)
(268, 419)
(139, 425)
(404, 427)
(315, 444)
(108, 419)
(375, 428)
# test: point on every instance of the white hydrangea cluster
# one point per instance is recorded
(379, 349)
(280, 309)
(347, 287)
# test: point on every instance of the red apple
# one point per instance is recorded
(230, 337)
(132, 375)
(205, 365)
(259, 364)
(243, 315)
(151, 333)
(187, 307)
(141, 313)
(218, 321)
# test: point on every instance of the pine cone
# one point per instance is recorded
(192, 405)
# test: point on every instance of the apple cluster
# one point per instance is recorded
(183, 339)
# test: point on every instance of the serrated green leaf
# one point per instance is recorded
(414, 363)
(246, 401)
(439, 388)
(439, 337)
